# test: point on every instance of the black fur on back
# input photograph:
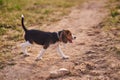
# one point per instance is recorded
(40, 37)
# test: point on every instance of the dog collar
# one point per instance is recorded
(59, 35)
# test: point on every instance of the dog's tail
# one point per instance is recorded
(23, 26)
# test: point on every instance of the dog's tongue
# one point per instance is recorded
(70, 41)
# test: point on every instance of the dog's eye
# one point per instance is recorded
(69, 34)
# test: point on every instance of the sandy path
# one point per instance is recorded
(86, 62)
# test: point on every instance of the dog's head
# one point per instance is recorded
(66, 36)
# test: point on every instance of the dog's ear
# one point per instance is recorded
(68, 35)
(63, 36)
(66, 32)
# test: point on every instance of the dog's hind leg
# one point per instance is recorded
(24, 46)
(61, 53)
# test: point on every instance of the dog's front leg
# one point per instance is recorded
(61, 53)
(45, 46)
(39, 57)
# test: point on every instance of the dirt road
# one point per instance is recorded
(88, 56)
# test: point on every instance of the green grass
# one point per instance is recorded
(112, 24)
(113, 21)
(2, 30)
(36, 12)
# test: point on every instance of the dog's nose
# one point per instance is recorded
(74, 38)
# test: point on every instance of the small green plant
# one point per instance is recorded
(47, 11)
(2, 30)
(113, 21)
(1, 2)
(114, 13)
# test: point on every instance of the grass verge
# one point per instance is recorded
(112, 25)
(113, 21)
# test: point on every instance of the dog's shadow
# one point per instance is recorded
(22, 55)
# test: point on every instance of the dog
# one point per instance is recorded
(45, 39)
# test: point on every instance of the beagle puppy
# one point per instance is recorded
(45, 39)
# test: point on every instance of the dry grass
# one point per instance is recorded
(36, 11)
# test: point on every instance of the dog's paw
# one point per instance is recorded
(66, 57)
(38, 59)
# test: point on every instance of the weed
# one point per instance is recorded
(2, 30)
(113, 21)
(1, 2)
(114, 13)
(47, 11)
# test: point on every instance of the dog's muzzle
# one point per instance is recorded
(73, 37)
